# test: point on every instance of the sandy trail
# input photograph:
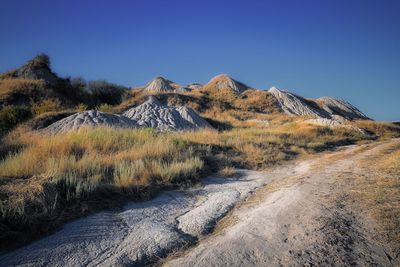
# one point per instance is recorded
(289, 221)
(296, 225)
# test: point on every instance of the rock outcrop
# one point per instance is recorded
(223, 81)
(91, 118)
(37, 68)
(153, 114)
(341, 108)
(293, 104)
(328, 111)
(182, 90)
(160, 84)
(194, 86)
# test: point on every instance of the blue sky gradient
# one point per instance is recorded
(343, 48)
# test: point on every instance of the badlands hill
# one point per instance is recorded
(224, 102)
(160, 84)
(90, 118)
(153, 114)
(55, 168)
(323, 107)
(223, 81)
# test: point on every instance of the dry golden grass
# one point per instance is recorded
(378, 194)
(52, 172)
(380, 129)
(227, 172)
(8, 86)
(47, 105)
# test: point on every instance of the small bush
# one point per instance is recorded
(10, 116)
(47, 105)
(227, 171)
(106, 92)
(81, 107)
(104, 108)
(39, 61)
(19, 86)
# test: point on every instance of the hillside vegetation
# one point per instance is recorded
(46, 179)
(36, 90)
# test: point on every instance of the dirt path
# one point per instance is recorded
(301, 220)
(297, 216)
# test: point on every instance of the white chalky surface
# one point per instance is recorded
(341, 108)
(160, 84)
(140, 233)
(153, 114)
(90, 118)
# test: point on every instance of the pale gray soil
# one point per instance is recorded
(150, 113)
(302, 222)
(90, 118)
(154, 114)
(291, 220)
(160, 84)
(330, 110)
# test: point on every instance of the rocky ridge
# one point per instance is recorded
(224, 81)
(91, 118)
(37, 68)
(153, 114)
(160, 84)
(325, 111)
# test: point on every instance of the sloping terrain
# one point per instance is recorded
(223, 81)
(308, 219)
(90, 118)
(298, 216)
(160, 84)
(153, 114)
(293, 104)
(37, 68)
(325, 111)
(194, 86)
(35, 82)
(341, 108)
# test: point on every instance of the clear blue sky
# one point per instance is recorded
(343, 48)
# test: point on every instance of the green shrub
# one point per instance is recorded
(104, 108)
(48, 105)
(106, 92)
(10, 116)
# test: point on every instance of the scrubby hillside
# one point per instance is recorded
(88, 160)
(35, 90)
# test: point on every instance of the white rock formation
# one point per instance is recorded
(183, 90)
(37, 68)
(194, 86)
(160, 84)
(293, 104)
(341, 108)
(223, 81)
(90, 118)
(141, 232)
(325, 122)
(327, 111)
(153, 114)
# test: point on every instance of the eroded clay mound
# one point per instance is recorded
(340, 107)
(160, 84)
(195, 86)
(293, 104)
(90, 118)
(37, 68)
(182, 90)
(153, 114)
(223, 81)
